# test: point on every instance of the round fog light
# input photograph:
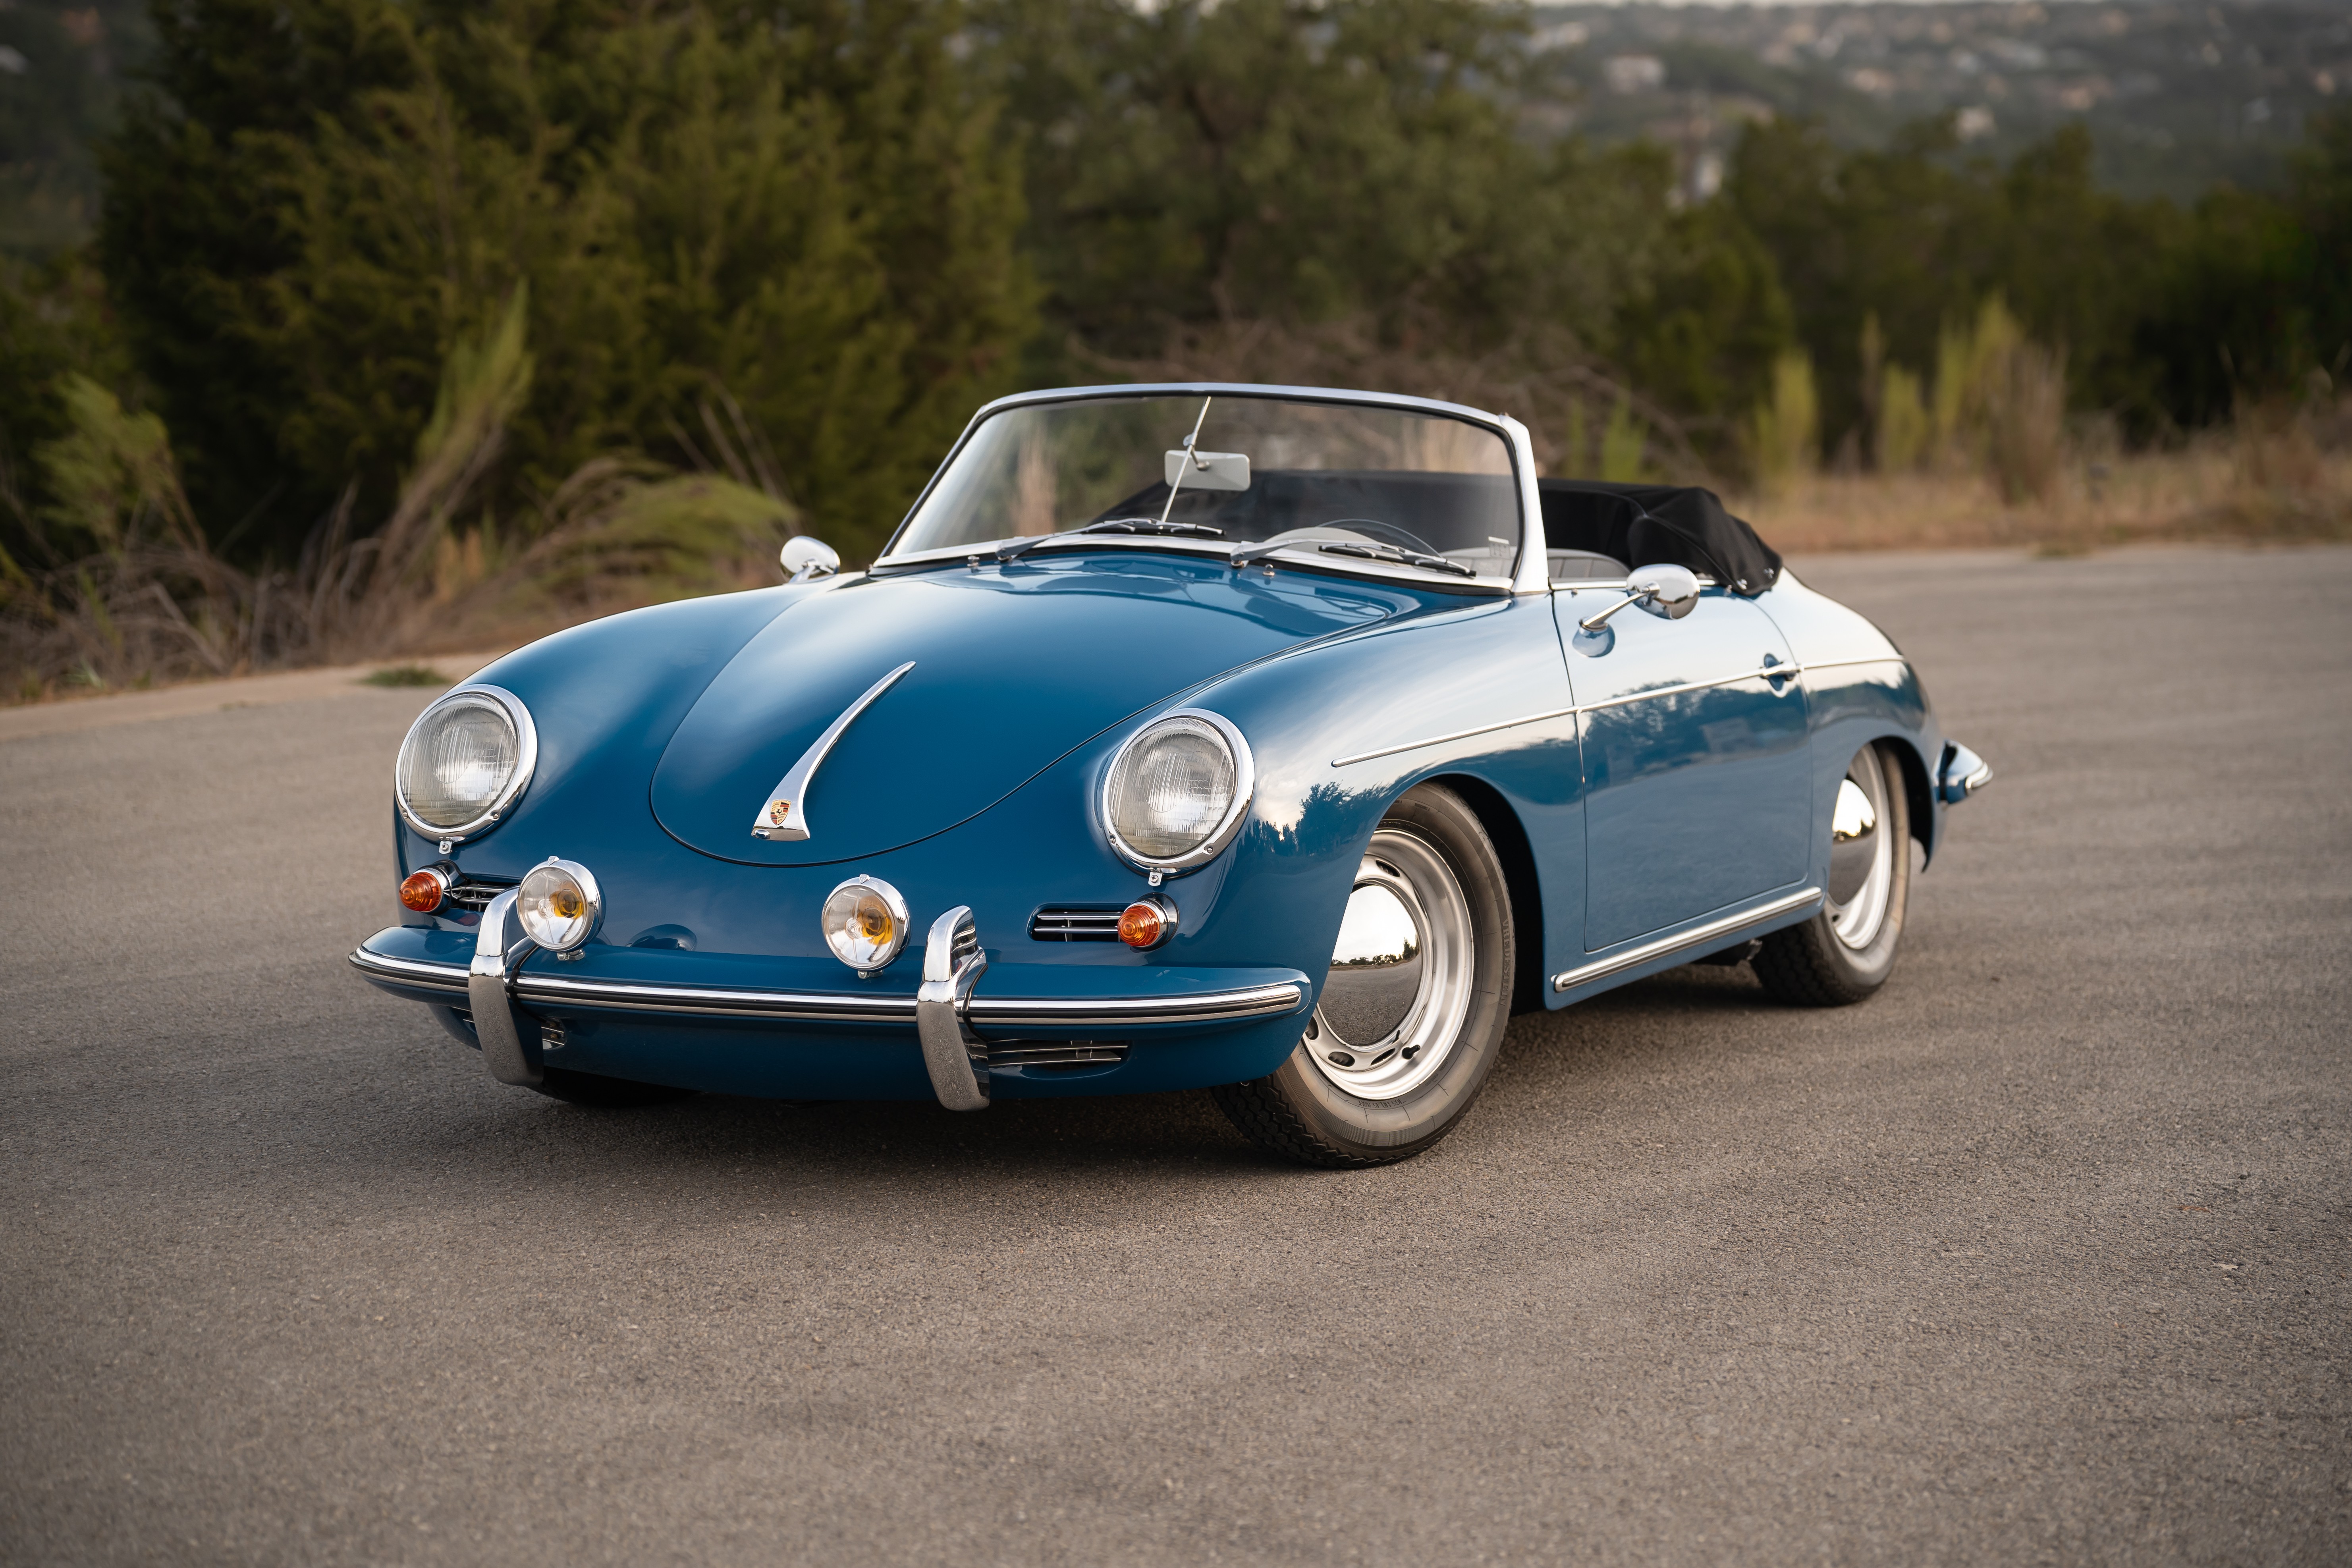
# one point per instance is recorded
(1147, 923)
(559, 904)
(866, 923)
(424, 891)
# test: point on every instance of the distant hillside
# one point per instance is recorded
(2178, 93)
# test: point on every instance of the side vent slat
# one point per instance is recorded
(1055, 1053)
(475, 896)
(1074, 925)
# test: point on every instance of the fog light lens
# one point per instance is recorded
(866, 923)
(424, 891)
(559, 904)
(1147, 923)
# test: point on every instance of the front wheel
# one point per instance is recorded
(1412, 1014)
(1845, 953)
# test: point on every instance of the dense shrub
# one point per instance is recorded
(800, 207)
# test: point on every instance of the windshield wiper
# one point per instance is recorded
(1012, 549)
(1402, 557)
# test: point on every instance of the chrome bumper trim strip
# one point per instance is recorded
(995, 1012)
(411, 971)
(630, 996)
(1203, 1007)
(1714, 931)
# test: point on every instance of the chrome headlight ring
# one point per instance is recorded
(526, 734)
(1227, 826)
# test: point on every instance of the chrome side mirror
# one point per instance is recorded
(804, 558)
(1668, 591)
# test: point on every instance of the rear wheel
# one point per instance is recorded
(1845, 952)
(1412, 1011)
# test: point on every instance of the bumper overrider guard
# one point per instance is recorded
(953, 1025)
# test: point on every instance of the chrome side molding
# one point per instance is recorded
(497, 1024)
(1703, 939)
(956, 1059)
(785, 814)
(1963, 773)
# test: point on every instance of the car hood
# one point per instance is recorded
(1013, 668)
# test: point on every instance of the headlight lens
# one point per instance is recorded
(465, 760)
(1178, 790)
(559, 904)
(864, 923)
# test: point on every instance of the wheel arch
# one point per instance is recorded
(1918, 791)
(1502, 824)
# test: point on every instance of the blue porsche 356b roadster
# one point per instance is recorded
(1279, 742)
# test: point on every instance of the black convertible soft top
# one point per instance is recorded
(1644, 525)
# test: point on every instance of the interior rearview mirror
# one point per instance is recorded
(804, 558)
(1209, 471)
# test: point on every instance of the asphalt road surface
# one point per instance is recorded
(2040, 1255)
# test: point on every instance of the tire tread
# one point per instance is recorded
(1264, 1116)
(1793, 968)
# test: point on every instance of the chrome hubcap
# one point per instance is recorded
(1399, 987)
(1861, 852)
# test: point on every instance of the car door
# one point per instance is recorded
(1698, 785)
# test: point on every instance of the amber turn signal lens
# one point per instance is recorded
(1146, 924)
(424, 891)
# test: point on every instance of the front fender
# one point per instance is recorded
(604, 697)
(1341, 730)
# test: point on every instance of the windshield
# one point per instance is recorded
(1380, 484)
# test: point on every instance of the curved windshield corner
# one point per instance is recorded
(1385, 484)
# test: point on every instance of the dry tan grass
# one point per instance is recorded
(2214, 490)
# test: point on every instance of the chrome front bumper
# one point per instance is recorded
(954, 1021)
(1963, 773)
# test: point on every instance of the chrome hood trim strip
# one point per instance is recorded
(785, 814)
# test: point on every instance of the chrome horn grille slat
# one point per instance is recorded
(1073, 925)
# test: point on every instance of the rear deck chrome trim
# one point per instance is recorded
(1709, 935)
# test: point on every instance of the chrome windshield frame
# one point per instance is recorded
(1529, 574)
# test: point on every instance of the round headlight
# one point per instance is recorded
(1178, 790)
(559, 904)
(864, 923)
(465, 761)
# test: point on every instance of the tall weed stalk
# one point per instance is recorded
(129, 593)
